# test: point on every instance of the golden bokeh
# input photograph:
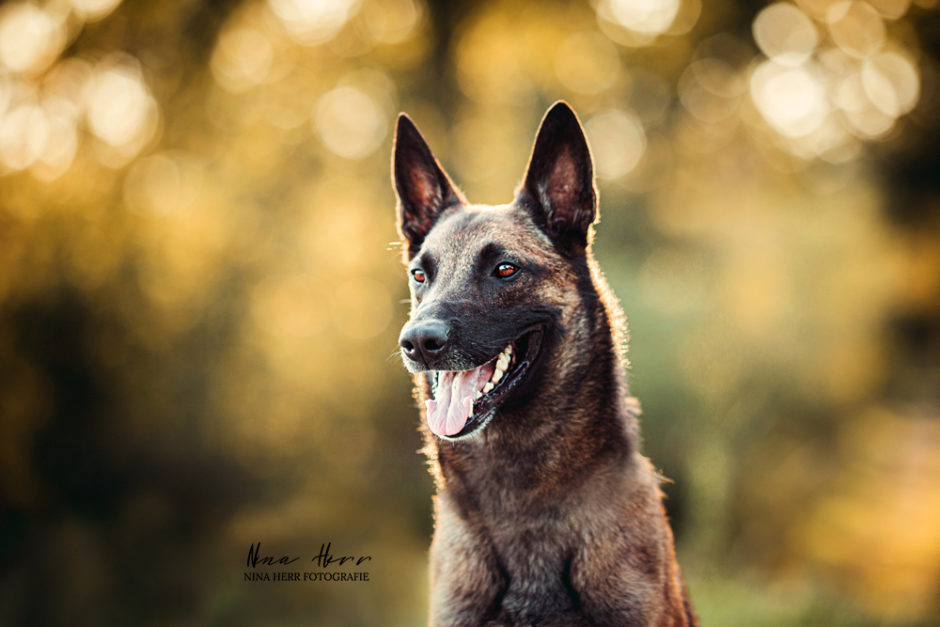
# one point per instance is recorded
(201, 291)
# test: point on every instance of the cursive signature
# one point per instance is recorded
(323, 559)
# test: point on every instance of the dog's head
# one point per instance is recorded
(494, 289)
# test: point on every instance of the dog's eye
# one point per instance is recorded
(419, 275)
(506, 270)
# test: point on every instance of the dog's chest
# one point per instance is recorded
(535, 558)
(532, 528)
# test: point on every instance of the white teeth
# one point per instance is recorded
(502, 362)
(502, 365)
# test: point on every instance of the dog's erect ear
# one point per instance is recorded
(424, 189)
(558, 188)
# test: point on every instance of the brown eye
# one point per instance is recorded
(506, 270)
(418, 275)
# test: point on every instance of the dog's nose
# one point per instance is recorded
(424, 341)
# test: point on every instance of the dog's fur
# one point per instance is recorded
(546, 512)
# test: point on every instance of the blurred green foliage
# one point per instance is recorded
(200, 292)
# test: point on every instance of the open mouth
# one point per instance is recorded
(466, 400)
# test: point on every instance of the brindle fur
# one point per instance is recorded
(550, 515)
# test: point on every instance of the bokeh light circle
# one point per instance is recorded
(618, 142)
(350, 122)
(785, 34)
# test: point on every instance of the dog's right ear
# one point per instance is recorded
(424, 189)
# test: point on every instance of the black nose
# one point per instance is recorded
(424, 341)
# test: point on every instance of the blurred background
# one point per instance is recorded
(200, 293)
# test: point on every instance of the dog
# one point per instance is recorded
(546, 513)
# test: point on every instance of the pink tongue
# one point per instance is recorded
(449, 412)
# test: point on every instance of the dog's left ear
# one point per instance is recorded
(424, 189)
(558, 188)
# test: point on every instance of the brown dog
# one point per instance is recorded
(546, 512)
